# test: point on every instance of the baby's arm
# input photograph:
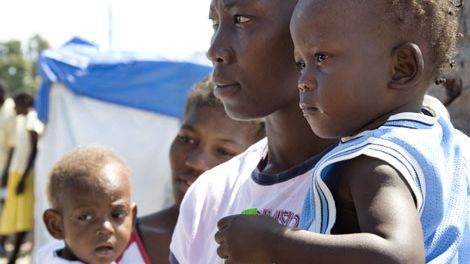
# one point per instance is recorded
(387, 217)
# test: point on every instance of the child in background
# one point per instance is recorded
(207, 137)
(7, 134)
(17, 214)
(7, 145)
(395, 189)
(91, 210)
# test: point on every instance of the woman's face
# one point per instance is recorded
(207, 137)
(252, 54)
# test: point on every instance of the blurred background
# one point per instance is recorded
(109, 72)
(176, 29)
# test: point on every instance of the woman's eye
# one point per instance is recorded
(238, 19)
(319, 57)
(85, 217)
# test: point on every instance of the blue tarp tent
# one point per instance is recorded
(126, 101)
(122, 78)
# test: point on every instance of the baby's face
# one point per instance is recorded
(97, 217)
(345, 61)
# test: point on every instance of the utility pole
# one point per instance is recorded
(110, 28)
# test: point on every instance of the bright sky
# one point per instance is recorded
(175, 29)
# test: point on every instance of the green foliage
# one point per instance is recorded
(18, 67)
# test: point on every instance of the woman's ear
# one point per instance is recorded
(408, 66)
(53, 222)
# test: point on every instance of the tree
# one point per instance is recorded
(18, 69)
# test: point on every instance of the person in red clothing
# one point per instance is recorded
(207, 137)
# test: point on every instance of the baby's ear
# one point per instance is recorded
(53, 222)
(408, 66)
(134, 213)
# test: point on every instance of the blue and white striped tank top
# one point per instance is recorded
(434, 159)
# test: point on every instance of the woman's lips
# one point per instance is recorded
(226, 90)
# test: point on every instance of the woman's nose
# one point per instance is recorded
(219, 50)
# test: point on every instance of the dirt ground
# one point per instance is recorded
(25, 253)
(24, 260)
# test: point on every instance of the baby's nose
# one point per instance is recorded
(105, 229)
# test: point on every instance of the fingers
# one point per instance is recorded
(223, 222)
(222, 252)
(220, 237)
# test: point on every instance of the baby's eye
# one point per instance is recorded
(319, 57)
(300, 65)
(85, 217)
(238, 19)
(119, 214)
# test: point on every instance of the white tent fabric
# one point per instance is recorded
(141, 138)
(126, 101)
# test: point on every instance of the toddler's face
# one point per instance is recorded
(345, 65)
(97, 217)
(206, 138)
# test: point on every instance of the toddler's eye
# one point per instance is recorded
(85, 217)
(238, 19)
(119, 214)
(319, 57)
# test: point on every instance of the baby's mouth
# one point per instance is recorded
(105, 251)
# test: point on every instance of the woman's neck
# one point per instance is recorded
(290, 140)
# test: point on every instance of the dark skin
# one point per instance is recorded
(377, 219)
(157, 229)
(20, 236)
(207, 137)
(251, 51)
(94, 232)
(255, 77)
(22, 107)
(4, 180)
(21, 184)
